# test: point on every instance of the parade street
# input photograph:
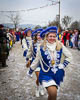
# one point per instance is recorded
(16, 85)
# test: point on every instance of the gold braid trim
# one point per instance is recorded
(58, 47)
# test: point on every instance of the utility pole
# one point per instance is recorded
(59, 12)
(59, 29)
(58, 16)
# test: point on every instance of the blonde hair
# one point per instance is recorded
(44, 43)
(35, 39)
(58, 44)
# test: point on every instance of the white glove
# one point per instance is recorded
(61, 66)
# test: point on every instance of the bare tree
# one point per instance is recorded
(15, 19)
(66, 21)
(75, 25)
(55, 23)
(37, 26)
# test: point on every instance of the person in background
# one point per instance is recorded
(74, 39)
(65, 36)
(79, 40)
(37, 41)
(71, 35)
(68, 38)
(4, 52)
(27, 41)
(21, 36)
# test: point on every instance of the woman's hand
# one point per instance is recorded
(28, 64)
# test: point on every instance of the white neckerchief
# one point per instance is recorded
(28, 38)
(39, 42)
(51, 47)
(52, 50)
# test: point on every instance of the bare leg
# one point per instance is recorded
(37, 76)
(52, 92)
(37, 83)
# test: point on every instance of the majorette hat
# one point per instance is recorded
(52, 29)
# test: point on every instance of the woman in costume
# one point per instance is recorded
(53, 57)
(32, 54)
(27, 41)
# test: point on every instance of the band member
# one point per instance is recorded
(27, 41)
(32, 54)
(53, 57)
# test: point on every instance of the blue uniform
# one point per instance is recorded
(48, 74)
(51, 74)
(25, 51)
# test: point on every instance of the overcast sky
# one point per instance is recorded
(39, 16)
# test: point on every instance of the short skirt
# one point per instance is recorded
(50, 78)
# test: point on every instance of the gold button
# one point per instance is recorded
(52, 62)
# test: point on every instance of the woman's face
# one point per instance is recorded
(51, 38)
(29, 33)
(38, 36)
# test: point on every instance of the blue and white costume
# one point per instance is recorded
(51, 74)
(32, 54)
(33, 48)
(26, 43)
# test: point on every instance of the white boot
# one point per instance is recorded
(37, 91)
(41, 90)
